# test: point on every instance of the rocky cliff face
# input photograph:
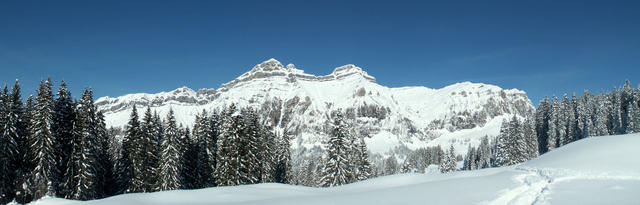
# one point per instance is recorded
(301, 105)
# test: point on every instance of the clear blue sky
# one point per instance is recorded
(119, 47)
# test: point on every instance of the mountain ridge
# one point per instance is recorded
(300, 105)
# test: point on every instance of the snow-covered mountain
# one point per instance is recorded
(301, 104)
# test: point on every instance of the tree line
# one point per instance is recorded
(54, 145)
(559, 122)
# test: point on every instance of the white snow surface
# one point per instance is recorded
(597, 170)
(306, 101)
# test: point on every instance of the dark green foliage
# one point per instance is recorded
(41, 181)
(9, 136)
(170, 177)
(62, 127)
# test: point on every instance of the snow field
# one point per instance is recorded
(597, 170)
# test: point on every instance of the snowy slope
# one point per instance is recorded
(597, 170)
(301, 104)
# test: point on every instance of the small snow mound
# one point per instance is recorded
(605, 155)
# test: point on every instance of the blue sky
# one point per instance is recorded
(119, 47)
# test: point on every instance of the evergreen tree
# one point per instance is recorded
(189, 163)
(626, 102)
(391, 165)
(88, 172)
(42, 144)
(8, 147)
(574, 132)
(203, 132)
(16, 121)
(170, 176)
(363, 169)
(542, 125)
(501, 154)
(631, 116)
(518, 147)
(148, 154)
(127, 169)
(337, 169)
(585, 113)
(468, 159)
(105, 158)
(554, 120)
(249, 148)
(272, 156)
(229, 155)
(283, 168)
(23, 183)
(615, 117)
(484, 153)
(529, 136)
(62, 127)
(448, 163)
(601, 116)
(565, 123)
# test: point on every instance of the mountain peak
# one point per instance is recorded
(183, 89)
(350, 69)
(269, 65)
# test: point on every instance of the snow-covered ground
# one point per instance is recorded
(598, 170)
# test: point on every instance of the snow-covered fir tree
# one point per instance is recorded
(337, 169)
(554, 120)
(634, 118)
(171, 156)
(8, 147)
(484, 153)
(469, 162)
(106, 158)
(529, 140)
(128, 168)
(565, 121)
(249, 146)
(205, 135)
(88, 172)
(23, 183)
(390, 165)
(542, 124)
(43, 145)
(601, 115)
(614, 118)
(501, 154)
(363, 168)
(269, 154)
(228, 153)
(149, 151)
(584, 113)
(283, 166)
(626, 103)
(189, 162)
(62, 127)
(448, 163)
(17, 121)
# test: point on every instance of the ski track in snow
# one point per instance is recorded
(536, 184)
